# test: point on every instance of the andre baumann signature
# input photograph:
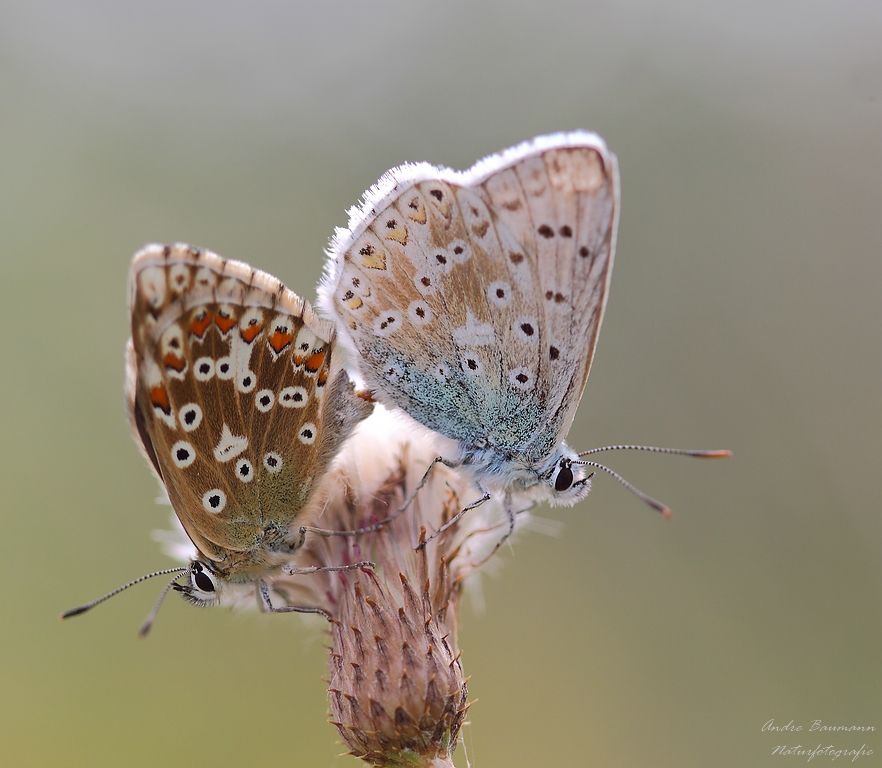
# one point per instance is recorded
(821, 750)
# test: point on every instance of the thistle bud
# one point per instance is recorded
(397, 691)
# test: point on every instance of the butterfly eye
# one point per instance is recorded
(203, 581)
(564, 478)
(201, 578)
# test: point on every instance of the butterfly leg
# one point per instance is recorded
(511, 517)
(292, 571)
(485, 496)
(270, 608)
(383, 523)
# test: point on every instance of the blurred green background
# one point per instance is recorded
(745, 313)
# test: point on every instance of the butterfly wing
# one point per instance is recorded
(236, 395)
(474, 299)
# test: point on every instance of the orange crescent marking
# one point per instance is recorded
(199, 324)
(223, 322)
(174, 362)
(251, 332)
(279, 340)
(315, 362)
(159, 399)
(322, 378)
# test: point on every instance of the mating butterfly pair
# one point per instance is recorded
(471, 300)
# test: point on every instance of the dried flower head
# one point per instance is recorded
(397, 692)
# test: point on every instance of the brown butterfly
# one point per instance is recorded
(239, 402)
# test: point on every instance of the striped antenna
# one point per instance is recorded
(656, 505)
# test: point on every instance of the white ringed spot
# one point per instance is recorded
(499, 293)
(440, 261)
(183, 454)
(441, 372)
(203, 369)
(247, 381)
(419, 312)
(522, 379)
(264, 400)
(224, 368)
(387, 322)
(293, 397)
(526, 329)
(272, 462)
(459, 251)
(214, 500)
(244, 470)
(307, 433)
(424, 283)
(190, 417)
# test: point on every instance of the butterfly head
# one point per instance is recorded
(204, 584)
(565, 480)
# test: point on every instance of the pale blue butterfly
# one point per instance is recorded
(473, 300)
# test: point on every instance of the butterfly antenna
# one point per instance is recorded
(151, 617)
(87, 606)
(653, 449)
(656, 505)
